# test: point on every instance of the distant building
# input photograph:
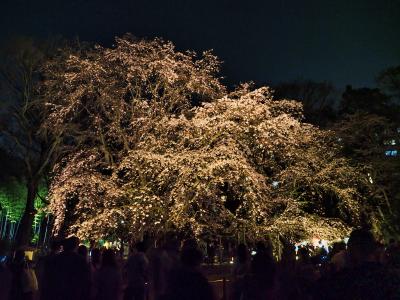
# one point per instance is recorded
(392, 148)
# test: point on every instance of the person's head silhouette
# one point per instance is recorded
(71, 244)
(108, 258)
(361, 246)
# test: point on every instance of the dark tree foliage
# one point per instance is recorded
(317, 99)
(368, 100)
(389, 81)
(21, 118)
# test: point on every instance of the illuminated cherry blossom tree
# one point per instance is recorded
(159, 145)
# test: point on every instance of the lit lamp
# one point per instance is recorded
(29, 254)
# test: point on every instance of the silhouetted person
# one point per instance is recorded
(242, 264)
(185, 282)
(159, 266)
(259, 284)
(5, 280)
(83, 251)
(286, 276)
(162, 261)
(45, 269)
(24, 282)
(5, 273)
(288, 257)
(240, 270)
(339, 260)
(210, 252)
(95, 259)
(108, 280)
(70, 277)
(172, 249)
(306, 272)
(363, 277)
(393, 254)
(137, 273)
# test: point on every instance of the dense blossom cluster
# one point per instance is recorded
(158, 144)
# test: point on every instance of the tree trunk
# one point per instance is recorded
(25, 228)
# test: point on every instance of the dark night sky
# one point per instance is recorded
(342, 41)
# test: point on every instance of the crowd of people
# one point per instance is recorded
(362, 269)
